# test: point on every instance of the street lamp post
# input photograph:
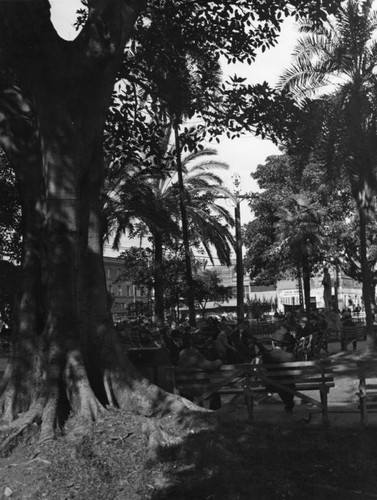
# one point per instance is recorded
(239, 260)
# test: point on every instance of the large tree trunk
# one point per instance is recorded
(66, 353)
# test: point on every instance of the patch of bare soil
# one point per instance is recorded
(122, 458)
(118, 459)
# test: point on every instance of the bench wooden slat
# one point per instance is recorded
(294, 364)
(313, 386)
(251, 378)
(367, 391)
(293, 391)
(297, 374)
(230, 390)
(300, 381)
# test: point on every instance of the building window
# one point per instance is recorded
(128, 291)
(119, 290)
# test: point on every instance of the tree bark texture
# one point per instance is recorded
(306, 282)
(159, 309)
(66, 354)
(185, 231)
(366, 282)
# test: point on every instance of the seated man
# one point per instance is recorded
(304, 328)
(283, 338)
(190, 357)
(272, 355)
(225, 350)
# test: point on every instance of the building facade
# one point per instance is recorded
(284, 294)
(127, 299)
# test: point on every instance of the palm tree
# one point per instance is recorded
(155, 202)
(184, 99)
(343, 54)
(299, 228)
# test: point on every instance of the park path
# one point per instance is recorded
(342, 399)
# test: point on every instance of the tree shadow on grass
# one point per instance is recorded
(237, 461)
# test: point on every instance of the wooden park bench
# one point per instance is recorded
(351, 335)
(252, 379)
(367, 390)
(200, 386)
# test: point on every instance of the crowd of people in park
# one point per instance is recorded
(219, 341)
(222, 340)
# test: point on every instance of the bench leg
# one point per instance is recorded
(325, 414)
(215, 402)
(249, 399)
(363, 402)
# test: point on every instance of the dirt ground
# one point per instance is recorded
(280, 456)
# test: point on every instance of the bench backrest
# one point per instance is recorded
(353, 331)
(189, 376)
(312, 374)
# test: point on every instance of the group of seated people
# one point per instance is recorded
(238, 345)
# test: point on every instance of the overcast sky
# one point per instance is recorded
(244, 154)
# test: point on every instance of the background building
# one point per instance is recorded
(127, 299)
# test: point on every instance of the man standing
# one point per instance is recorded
(326, 282)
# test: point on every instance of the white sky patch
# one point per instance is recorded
(63, 17)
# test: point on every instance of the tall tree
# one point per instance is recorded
(65, 353)
(344, 53)
(155, 201)
(299, 228)
(65, 349)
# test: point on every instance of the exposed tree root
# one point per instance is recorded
(18, 426)
(68, 392)
(25, 419)
(158, 439)
(13, 436)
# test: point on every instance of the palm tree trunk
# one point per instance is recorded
(239, 265)
(367, 282)
(186, 241)
(158, 279)
(306, 281)
(299, 284)
(336, 288)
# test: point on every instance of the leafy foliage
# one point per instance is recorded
(208, 287)
(282, 181)
(10, 212)
(154, 201)
(343, 52)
